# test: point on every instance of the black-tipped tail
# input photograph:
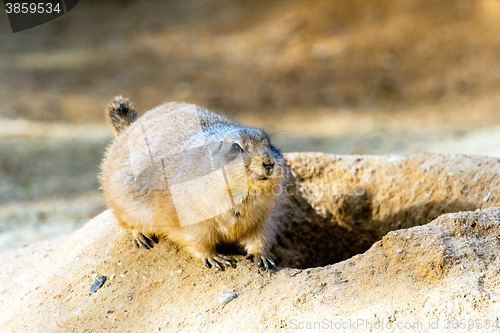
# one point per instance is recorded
(120, 114)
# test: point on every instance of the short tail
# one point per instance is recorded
(120, 114)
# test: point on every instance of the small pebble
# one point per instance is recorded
(110, 311)
(410, 275)
(25, 293)
(99, 282)
(227, 297)
(180, 270)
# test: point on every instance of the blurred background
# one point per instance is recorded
(337, 76)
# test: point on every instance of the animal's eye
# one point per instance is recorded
(236, 148)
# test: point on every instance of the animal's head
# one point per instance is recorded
(249, 149)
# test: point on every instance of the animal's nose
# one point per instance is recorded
(268, 164)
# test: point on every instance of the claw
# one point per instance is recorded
(250, 256)
(145, 245)
(227, 258)
(215, 263)
(263, 261)
(207, 263)
(146, 242)
(259, 263)
(219, 261)
(232, 264)
(272, 263)
(266, 264)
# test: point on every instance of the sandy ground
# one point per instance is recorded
(428, 276)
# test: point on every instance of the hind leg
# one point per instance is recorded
(147, 241)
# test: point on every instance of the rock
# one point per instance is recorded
(403, 239)
(226, 297)
(99, 282)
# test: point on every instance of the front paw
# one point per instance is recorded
(219, 261)
(146, 242)
(262, 261)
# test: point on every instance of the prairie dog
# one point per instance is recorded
(195, 177)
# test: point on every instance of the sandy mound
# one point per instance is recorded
(424, 272)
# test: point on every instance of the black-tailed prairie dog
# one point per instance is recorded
(195, 177)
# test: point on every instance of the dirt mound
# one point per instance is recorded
(340, 205)
(417, 277)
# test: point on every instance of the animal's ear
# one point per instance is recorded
(276, 152)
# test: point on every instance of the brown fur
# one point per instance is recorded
(120, 114)
(151, 213)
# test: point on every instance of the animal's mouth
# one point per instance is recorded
(259, 177)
